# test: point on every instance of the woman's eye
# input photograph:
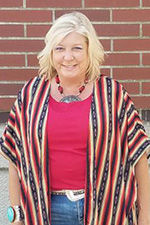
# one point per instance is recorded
(59, 48)
(78, 48)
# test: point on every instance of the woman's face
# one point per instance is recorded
(70, 56)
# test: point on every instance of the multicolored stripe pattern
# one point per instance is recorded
(116, 141)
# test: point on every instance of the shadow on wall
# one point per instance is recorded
(4, 195)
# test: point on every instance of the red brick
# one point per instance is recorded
(117, 29)
(4, 117)
(25, 15)
(132, 45)
(131, 73)
(32, 60)
(145, 3)
(106, 44)
(6, 104)
(141, 102)
(93, 15)
(122, 59)
(10, 89)
(146, 87)
(10, 3)
(21, 45)
(37, 30)
(111, 3)
(56, 3)
(12, 60)
(131, 87)
(131, 15)
(146, 59)
(146, 29)
(11, 31)
(17, 74)
(105, 71)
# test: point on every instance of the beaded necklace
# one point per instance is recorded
(70, 98)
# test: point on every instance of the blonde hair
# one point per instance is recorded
(64, 25)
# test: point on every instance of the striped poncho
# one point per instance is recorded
(116, 141)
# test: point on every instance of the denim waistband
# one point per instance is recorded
(72, 195)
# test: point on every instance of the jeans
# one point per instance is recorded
(66, 212)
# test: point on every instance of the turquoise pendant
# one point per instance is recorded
(70, 98)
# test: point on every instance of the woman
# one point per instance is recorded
(74, 140)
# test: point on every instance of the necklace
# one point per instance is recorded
(70, 98)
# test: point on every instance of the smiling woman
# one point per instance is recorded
(74, 139)
(82, 29)
(70, 58)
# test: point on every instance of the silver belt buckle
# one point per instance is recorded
(70, 195)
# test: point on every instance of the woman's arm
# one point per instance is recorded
(14, 188)
(143, 190)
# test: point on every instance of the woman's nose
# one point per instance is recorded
(68, 55)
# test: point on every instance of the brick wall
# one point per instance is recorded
(123, 26)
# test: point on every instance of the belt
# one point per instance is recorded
(72, 195)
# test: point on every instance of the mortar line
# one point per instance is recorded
(141, 30)
(83, 4)
(24, 3)
(25, 30)
(140, 88)
(111, 15)
(141, 3)
(26, 60)
(141, 60)
(53, 16)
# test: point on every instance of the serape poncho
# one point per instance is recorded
(116, 141)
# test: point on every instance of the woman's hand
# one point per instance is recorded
(143, 191)
(143, 219)
(18, 223)
(14, 189)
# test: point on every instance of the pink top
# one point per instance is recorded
(67, 138)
